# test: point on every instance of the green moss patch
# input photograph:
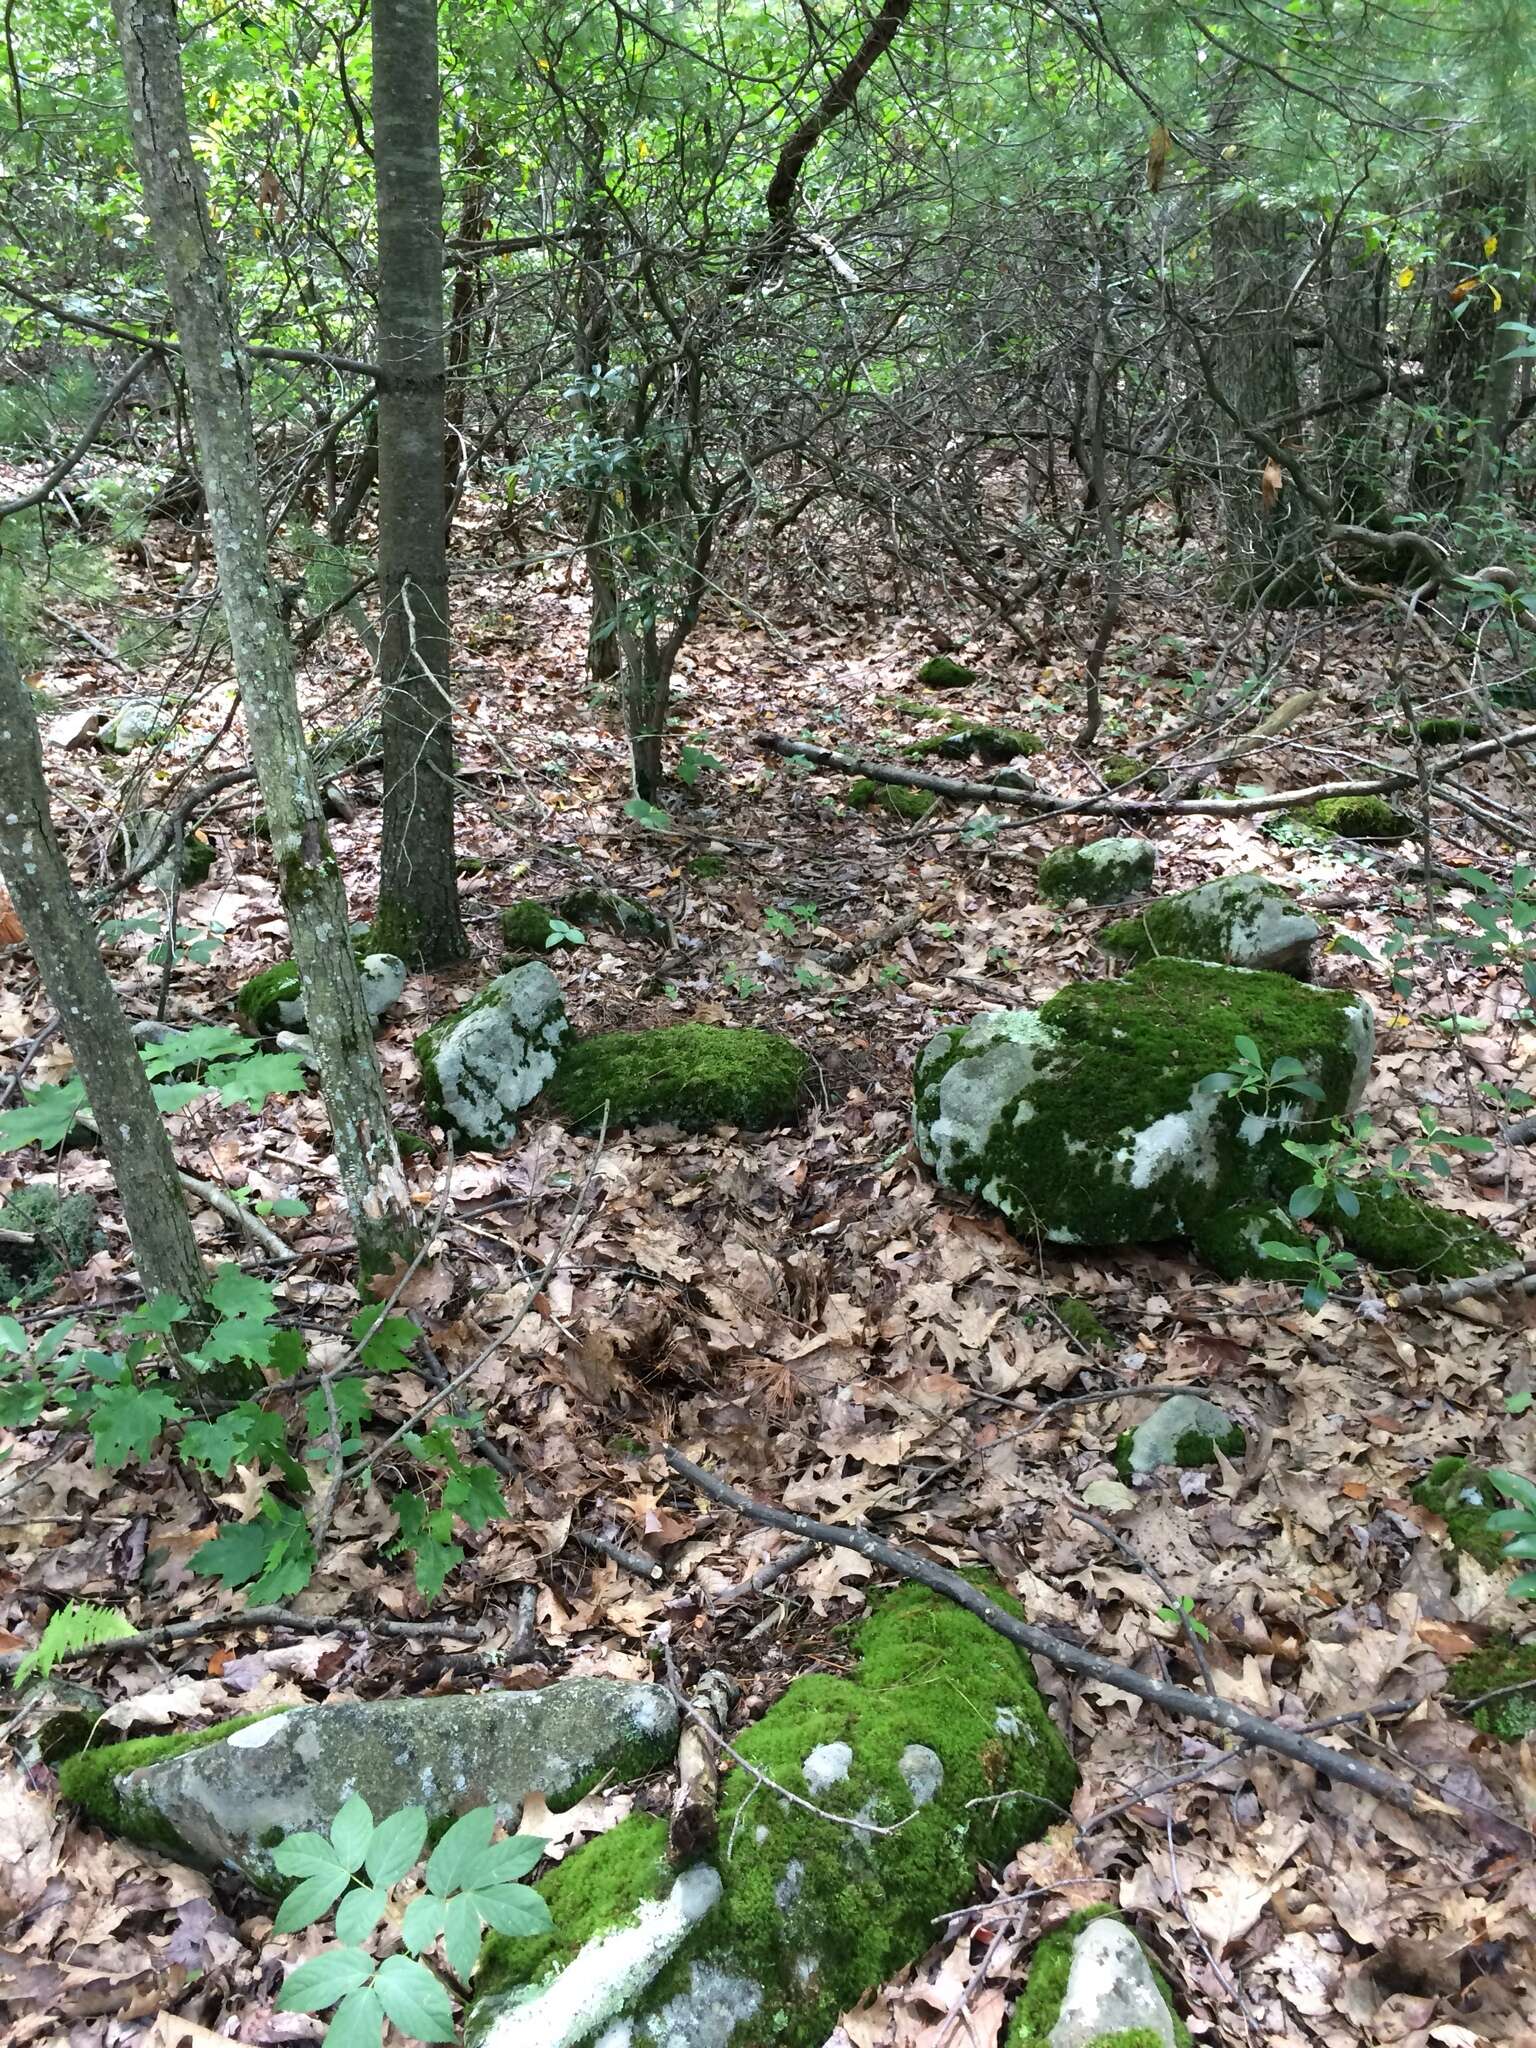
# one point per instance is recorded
(1400, 1232)
(1355, 817)
(966, 739)
(63, 1233)
(708, 867)
(1448, 732)
(1080, 1321)
(692, 1075)
(96, 1780)
(1463, 1496)
(910, 804)
(598, 1889)
(1233, 1240)
(941, 672)
(1117, 770)
(1502, 1664)
(528, 927)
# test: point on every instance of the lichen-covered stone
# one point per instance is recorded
(910, 804)
(941, 672)
(692, 1075)
(1086, 1122)
(1464, 1497)
(138, 723)
(1239, 920)
(939, 1737)
(484, 1064)
(1356, 817)
(224, 1798)
(1101, 871)
(62, 1231)
(274, 997)
(1184, 1430)
(1512, 1716)
(1091, 1983)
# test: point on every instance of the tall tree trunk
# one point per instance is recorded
(64, 945)
(218, 381)
(418, 887)
(1350, 451)
(1269, 545)
(464, 305)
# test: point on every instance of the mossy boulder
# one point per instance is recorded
(942, 672)
(1100, 871)
(935, 1755)
(967, 739)
(1186, 1431)
(910, 804)
(60, 1231)
(1117, 770)
(1355, 817)
(1239, 920)
(273, 999)
(484, 1064)
(692, 1075)
(223, 1797)
(1086, 1122)
(529, 927)
(1464, 1497)
(1092, 1985)
(1511, 1717)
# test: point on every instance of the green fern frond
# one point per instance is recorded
(75, 1627)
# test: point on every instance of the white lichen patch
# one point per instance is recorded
(1180, 1145)
(1000, 1057)
(383, 978)
(608, 1973)
(495, 1057)
(828, 1764)
(923, 1770)
(707, 2014)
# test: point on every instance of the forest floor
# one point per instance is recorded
(809, 1313)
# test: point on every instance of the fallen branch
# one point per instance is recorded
(1341, 1765)
(1044, 805)
(767, 1575)
(872, 942)
(233, 1212)
(1519, 1273)
(256, 1617)
(695, 1818)
(627, 1560)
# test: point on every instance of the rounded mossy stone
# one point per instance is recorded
(590, 1893)
(1356, 817)
(1239, 920)
(692, 1075)
(1464, 1497)
(1087, 1121)
(1117, 770)
(910, 804)
(969, 739)
(1448, 732)
(273, 999)
(529, 927)
(606, 910)
(1501, 1664)
(1398, 1231)
(1050, 1968)
(1080, 1322)
(1233, 1240)
(942, 672)
(1185, 1432)
(1100, 871)
(484, 1064)
(95, 1780)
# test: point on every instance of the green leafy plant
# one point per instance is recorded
(470, 1884)
(562, 934)
(1326, 1265)
(692, 763)
(650, 815)
(75, 1627)
(1268, 1093)
(788, 922)
(1183, 1616)
(1517, 1525)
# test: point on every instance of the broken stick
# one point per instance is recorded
(695, 1819)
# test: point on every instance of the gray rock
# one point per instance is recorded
(138, 723)
(230, 1801)
(1101, 871)
(1242, 920)
(482, 1065)
(1110, 1989)
(1156, 1441)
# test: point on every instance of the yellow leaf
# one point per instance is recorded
(1498, 301)
(1491, 246)
(1405, 276)
(642, 149)
(1464, 290)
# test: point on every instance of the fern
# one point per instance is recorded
(75, 1627)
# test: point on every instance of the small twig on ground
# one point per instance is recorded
(695, 1818)
(634, 1561)
(1340, 1765)
(234, 1212)
(257, 1617)
(1519, 1273)
(767, 1575)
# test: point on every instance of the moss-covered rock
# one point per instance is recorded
(1399, 1232)
(61, 1230)
(692, 1075)
(941, 672)
(1448, 732)
(1464, 1497)
(1242, 920)
(529, 927)
(224, 1796)
(966, 739)
(487, 1062)
(1081, 1323)
(1233, 1240)
(1117, 770)
(605, 910)
(1185, 1431)
(910, 804)
(1355, 817)
(1087, 1979)
(138, 723)
(1086, 1121)
(273, 999)
(1511, 1717)
(939, 1752)
(1100, 871)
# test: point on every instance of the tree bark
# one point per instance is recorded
(64, 945)
(1352, 457)
(418, 914)
(218, 381)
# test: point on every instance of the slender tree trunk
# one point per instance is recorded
(64, 945)
(1351, 455)
(418, 887)
(218, 381)
(464, 306)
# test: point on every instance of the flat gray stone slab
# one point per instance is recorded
(231, 1801)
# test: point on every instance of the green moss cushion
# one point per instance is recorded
(692, 1075)
(273, 999)
(1356, 817)
(1511, 1716)
(910, 804)
(1463, 1496)
(939, 672)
